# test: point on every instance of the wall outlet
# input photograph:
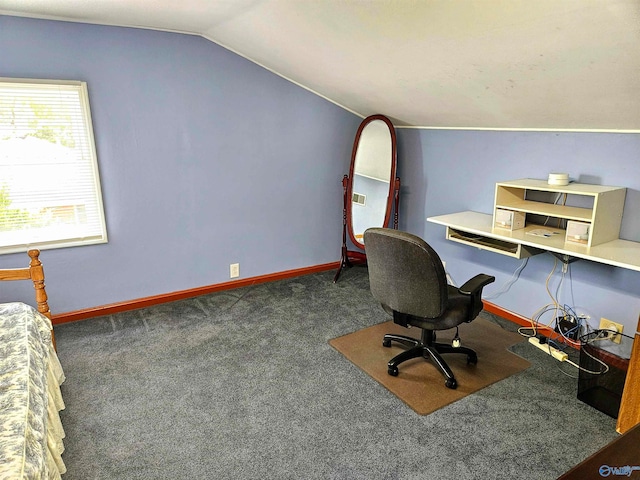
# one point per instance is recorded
(234, 270)
(609, 325)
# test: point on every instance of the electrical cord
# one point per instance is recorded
(450, 279)
(536, 316)
(507, 285)
(559, 365)
(565, 311)
(560, 311)
(555, 202)
(573, 300)
(585, 340)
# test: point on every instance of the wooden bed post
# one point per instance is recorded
(35, 273)
(37, 277)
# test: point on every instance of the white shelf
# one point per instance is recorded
(598, 207)
(549, 210)
(619, 253)
(572, 188)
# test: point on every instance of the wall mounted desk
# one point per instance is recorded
(477, 230)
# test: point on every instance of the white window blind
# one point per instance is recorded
(49, 184)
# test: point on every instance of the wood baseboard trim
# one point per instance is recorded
(182, 294)
(218, 287)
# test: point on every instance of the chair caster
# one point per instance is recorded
(451, 383)
(386, 342)
(472, 359)
(393, 371)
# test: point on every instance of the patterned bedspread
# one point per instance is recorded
(30, 376)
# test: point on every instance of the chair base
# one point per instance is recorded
(429, 350)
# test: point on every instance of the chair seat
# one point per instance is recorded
(457, 313)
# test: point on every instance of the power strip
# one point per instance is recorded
(548, 349)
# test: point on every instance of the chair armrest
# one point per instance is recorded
(476, 284)
(473, 288)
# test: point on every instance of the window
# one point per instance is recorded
(49, 185)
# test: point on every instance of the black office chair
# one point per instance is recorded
(407, 277)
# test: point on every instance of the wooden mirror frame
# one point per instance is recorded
(350, 257)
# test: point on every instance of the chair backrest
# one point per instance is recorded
(405, 273)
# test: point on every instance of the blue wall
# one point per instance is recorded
(205, 158)
(451, 171)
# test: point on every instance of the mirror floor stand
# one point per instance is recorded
(350, 258)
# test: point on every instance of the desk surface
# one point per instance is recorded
(619, 253)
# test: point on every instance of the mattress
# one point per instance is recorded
(31, 434)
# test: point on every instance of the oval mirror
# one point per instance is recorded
(371, 186)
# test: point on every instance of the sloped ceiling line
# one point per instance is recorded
(456, 64)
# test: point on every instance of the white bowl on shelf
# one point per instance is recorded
(559, 179)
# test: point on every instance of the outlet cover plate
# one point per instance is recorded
(606, 324)
(234, 270)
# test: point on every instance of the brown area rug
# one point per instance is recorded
(419, 383)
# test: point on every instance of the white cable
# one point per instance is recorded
(550, 307)
(555, 202)
(450, 280)
(507, 285)
(606, 367)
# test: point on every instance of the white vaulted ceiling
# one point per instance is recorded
(522, 64)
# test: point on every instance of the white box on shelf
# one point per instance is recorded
(509, 219)
(577, 232)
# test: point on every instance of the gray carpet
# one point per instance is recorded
(244, 384)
